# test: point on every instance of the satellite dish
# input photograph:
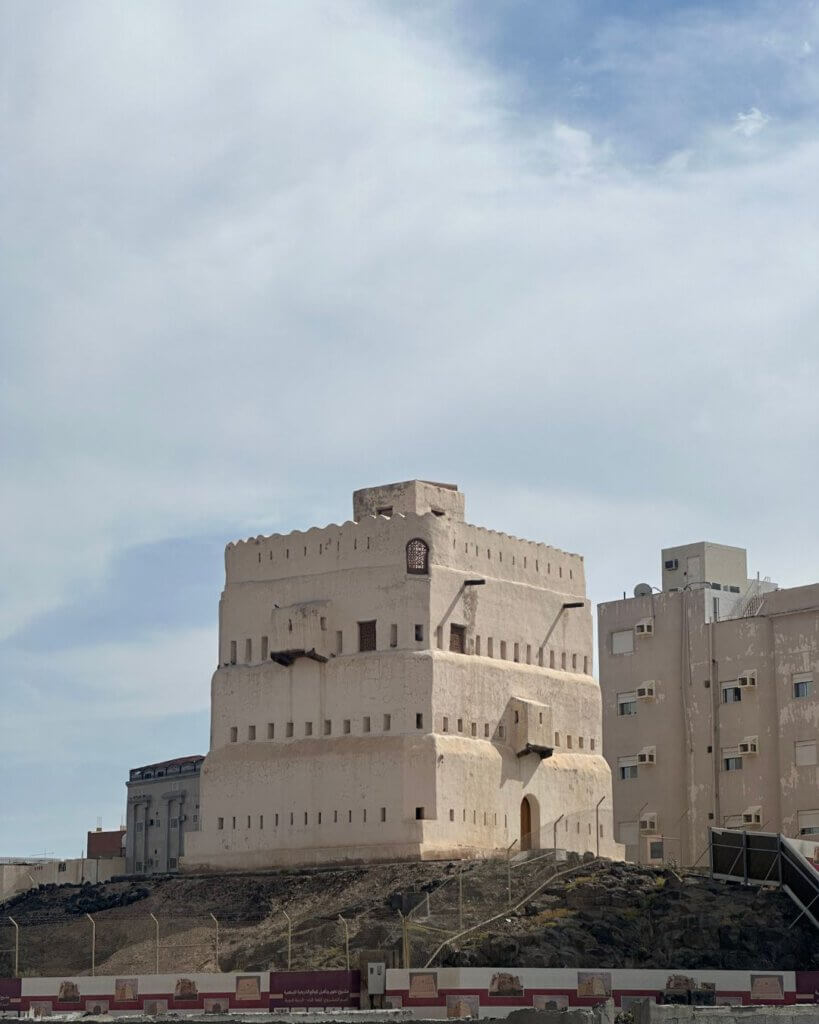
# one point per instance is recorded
(643, 590)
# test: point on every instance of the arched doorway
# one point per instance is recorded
(525, 824)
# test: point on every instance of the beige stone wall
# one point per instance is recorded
(691, 662)
(409, 750)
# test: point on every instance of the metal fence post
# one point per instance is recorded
(597, 822)
(460, 897)
(346, 940)
(216, 955)
(156, 922)
(93, 945)
(16, 947)
(554, 837)
(289, 938)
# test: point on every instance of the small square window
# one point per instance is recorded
(419, 813)
(366, 635)
(802, 686)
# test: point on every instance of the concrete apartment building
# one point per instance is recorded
(163, 811)
(404, 685)
(710, 706)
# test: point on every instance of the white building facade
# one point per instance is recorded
(401, 686)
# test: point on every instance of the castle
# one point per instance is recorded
(402, 686)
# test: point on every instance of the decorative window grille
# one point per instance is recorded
(418, 557)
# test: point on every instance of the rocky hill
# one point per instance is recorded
(577, 914)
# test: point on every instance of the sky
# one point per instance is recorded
(254, 256)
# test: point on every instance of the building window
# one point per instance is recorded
(503, 650)
(486, 729)
(574, 661)
(251, 732)
(516, 652)
(394, 634)
(802, 686)
(451, 813)
(365, 724)
(551, 658)
(580, 742)
(457, 639)
(731, 694)
(808, 823)
(460, 725)
(328, 727)
(264, 648)
(474, 728)
(271, 731)
(627, 703)
(490, 647)
(387, 722)
(339, 641)
(234, 733)
(346, 727)
(501, 731)
(261, 821)
(233, 652)
(419, 632)
(563, 660)
(418, 557)
(386, 511)
(622, 641)
(173, 822)
(528, 654)
(366, 635)
(308, 728)
(627, 767)
(591, 743)
(234, 822)
(248, 651)
(419, 720)
(288, 729)
(557, 739)
(383, 813)
(445, 727)
(731, 761)
(478, 644)
(568, 741)
(419, 813)
(805, 752)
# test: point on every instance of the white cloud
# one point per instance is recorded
(750, 123)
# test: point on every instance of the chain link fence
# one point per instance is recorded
(440, 902)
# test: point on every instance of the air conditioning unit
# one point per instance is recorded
(648, 823)
(672, 564)
(645, 627)
(748, 679)
(646, 691)
(750, 745)
(648, 755)
(752, 816)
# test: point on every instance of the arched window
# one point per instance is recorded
(418, 557)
